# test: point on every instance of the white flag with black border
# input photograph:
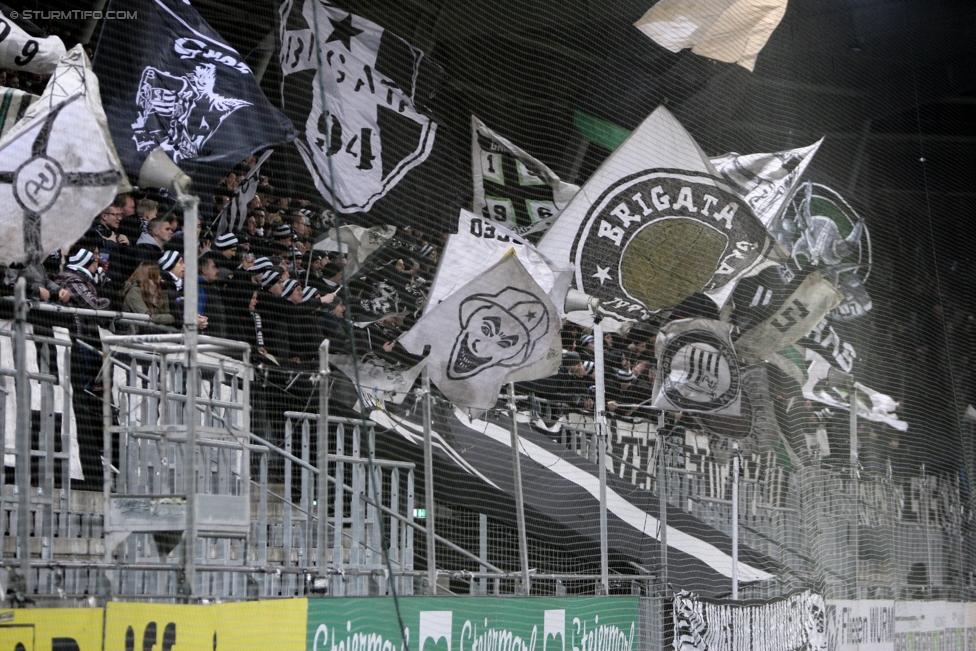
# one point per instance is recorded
(497, 324)
(512, 187)
(56, 175)
(697, 368)
(655, 224)
(766, 181)
(352, 88)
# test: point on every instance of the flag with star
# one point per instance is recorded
(497, 324)
(655, 224)
(360, 98)
(56, 175)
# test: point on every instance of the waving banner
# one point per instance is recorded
(74, 76)
(498, 323)
(734, 31)
(697, 368)
(511, 187)
(477, 246)
(358, 96)
(56, 174)
(766, 181)
(655, 224)
(22, 51)
(183, 89)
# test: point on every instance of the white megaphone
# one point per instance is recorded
(577, 301)
(159, 171)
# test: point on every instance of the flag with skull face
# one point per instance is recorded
(500, 322)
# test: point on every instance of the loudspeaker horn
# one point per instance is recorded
(577, 301)
(159, 171)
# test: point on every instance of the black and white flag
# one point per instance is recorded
(73, 76)
(498, 323)
(766, 181)
(22, 51)
(806, 302)
(511, 187)
(477, 246)
(56, 175)
(169, 80)
(655, 224)
(234, 213)
(13, 106)
(697, 368)
(822, 382)
(381, 378)
(358, 95)
(822, 230)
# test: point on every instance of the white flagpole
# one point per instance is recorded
(519, 503)
(601, 434)
(735, 521)
(854, 482)
(429, 486)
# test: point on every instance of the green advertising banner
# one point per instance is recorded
(474, 624)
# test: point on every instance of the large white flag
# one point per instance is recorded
(362, 128)
(766, 181)
(74, 76)
(56, 174)
(21, 51)
(697, 368)
(734, 31)
(478, 245)
(500, 322)
(512, 187)
(655, 224)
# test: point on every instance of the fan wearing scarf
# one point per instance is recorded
(79, 279)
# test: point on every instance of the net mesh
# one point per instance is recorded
(361, 204)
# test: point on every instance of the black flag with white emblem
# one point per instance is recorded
(359, 96)
(184, 89)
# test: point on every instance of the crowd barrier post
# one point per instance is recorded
(23, 441)
(322, 430)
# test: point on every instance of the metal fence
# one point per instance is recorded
(315, 512)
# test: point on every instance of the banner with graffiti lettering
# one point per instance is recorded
(794, 623)
(588, 623)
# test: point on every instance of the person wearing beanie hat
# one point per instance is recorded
(78, 278)
(171, 268)
(226, 246)
(271, 281)
(291, 291)
(272, 321)
(258, 268)
(312, 294)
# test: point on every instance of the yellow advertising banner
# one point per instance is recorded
(260, 626)
(51, 629)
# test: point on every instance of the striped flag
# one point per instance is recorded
(13, 105)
